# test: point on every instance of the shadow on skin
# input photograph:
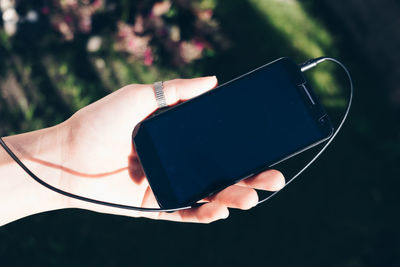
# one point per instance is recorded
(134, 168)
(74, 172)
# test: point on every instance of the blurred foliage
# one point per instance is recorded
(58, 56)
(81, 50)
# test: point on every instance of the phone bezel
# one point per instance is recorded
(146, 153)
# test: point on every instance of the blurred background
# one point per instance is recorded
(57, 56)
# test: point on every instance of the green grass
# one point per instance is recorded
(308, 37)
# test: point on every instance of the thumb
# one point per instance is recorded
(174, 91)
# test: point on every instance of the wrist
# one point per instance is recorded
(40, 151)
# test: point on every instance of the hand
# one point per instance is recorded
(99, 161)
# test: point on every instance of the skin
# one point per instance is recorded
(91, 154)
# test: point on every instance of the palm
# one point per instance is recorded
(104, 165)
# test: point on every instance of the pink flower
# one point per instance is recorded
(68, 19)
(97, 3)
(148, 57)
(205, 14)
(160, 8)
(131, 44)
(45, 10)
(162, 32)
(199, 45)
(189, 51)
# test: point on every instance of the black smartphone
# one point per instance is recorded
(232, 132)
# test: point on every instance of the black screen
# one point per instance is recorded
(227, 134)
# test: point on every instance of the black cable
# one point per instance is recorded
(62, 192)
(305, 66)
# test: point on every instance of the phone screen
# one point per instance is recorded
(227, 134)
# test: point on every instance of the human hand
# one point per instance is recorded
(99, 161)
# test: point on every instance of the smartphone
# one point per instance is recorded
(232, 132)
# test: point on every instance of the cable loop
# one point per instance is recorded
(304, 67)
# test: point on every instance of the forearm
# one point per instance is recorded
(20, 195)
